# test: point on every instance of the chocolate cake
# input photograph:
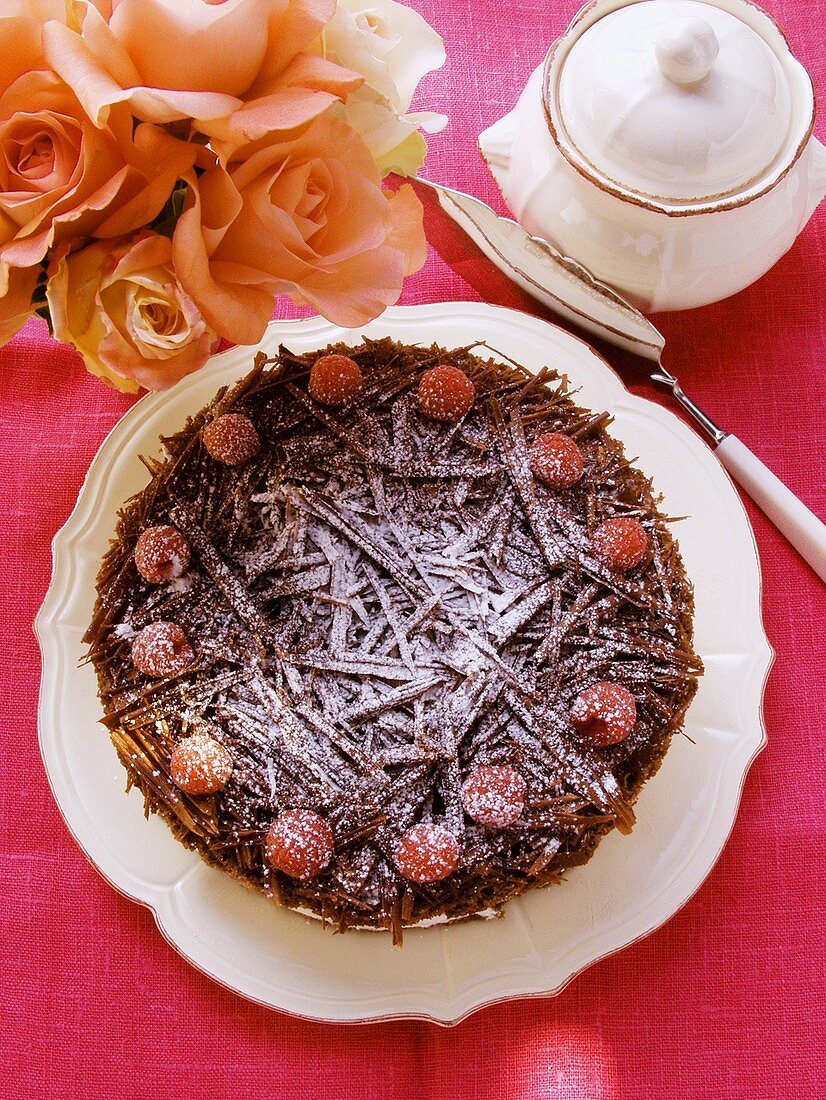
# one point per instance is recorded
(394, 633)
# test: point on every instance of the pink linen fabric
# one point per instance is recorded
(725, 1001)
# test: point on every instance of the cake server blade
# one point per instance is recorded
(556, 281)
(573, 293)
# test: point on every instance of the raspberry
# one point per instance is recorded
(200, 765)
(620, 543)
(556, 460)
(231, 439)
(162, 649)
(427, 853)
(446, 394)
(493, 795)
(161, 554)
(335, 380)
(605, 713)
(299, 843)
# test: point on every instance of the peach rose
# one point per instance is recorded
(61, 178)
(304, 216)
(237, 67)
(120, 304)
(20, 51)
(21, 28)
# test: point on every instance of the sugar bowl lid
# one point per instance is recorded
(677, 100)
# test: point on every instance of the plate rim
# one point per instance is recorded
(763, 653)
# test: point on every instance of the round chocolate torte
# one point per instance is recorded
(394, 633)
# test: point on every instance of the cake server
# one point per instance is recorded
(569, 289)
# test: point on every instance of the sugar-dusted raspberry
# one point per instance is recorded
(556, 460)
(620, 542)
(494, 795)
(162, 649)
(446, 394)
(161, 554)
(231, 438)
(427, 853)
(335, 380)
(299, 843)
(200, 765)
(604, 713)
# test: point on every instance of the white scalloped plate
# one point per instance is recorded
(631, 886)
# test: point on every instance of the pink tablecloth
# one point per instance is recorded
(724, 1001)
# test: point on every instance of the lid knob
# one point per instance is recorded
(686, 50)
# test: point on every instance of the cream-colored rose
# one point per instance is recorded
(304, 216)
(393, 48)
(237, 67)
(393, 139)
(121, 305)
(391, 45)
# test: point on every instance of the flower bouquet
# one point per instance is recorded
(170, 167)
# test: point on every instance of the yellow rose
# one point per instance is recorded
(121, 305)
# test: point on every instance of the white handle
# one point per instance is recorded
(791, 516)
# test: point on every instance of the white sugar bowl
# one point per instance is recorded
(667, 146)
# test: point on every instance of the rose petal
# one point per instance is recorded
(356, 291)
(95, 65)
(390, 43)
(393, 139)
(407, 234)
(192, 46)
(156, 153)
(16, 286)
(290, 32)
(182, 59)
(304, 90)
(99, 88)
(20, 42)
(232, 301)
(287, 109)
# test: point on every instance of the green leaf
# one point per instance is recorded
(172, 209)
(43, 312)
